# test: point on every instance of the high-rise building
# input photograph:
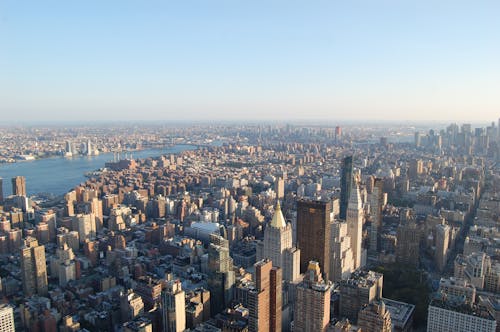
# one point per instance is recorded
(376, 205)
(362, 288)
(313, 233)
(33, 268)
(312, 304)
(277, 246)
(375, 318)
(341, 261)
(85, 225)
(19, 186)
(408, 243)
(264, 301)
(279, 188)
(451, 314)
(6, 318)
(221, 276)
(174, 307)
(1, 190)
(442, 244)
(355, 216)
(345, 186)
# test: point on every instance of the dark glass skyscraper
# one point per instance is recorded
(313, 233)
(345, 186)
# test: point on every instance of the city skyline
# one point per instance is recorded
(276, 61)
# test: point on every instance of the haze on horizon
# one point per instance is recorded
(234, 60)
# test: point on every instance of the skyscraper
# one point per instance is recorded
(174, 307)
(265, 300)
(313, 233)
(279, 188)
(19, 186)
(221, 276)
(1, 190)
(312, 306)
(33, 268)
(355, 225)
(408, 243)
(376, 202)
(345, 186)
(6, 318)
(277, 246)
(342, 261)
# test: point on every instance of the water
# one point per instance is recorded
(58, 175)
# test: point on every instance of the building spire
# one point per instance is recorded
(278, 220)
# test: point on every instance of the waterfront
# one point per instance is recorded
(58, 175)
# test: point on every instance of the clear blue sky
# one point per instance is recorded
(74, 60)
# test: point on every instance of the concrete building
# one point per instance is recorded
(375, 318)
(459, 288)
(19, 186)
(408, 244)
(342, 260)
(401, 315)
(174, 307)
(33, 268)
(452, 314)
(312, 306)
(442, 245)
(362, 288)
(221, 276)
(6, 318)
(265, 301)
(376, 206)
(355, 217)
(277, 246)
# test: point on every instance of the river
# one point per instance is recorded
(57, 175)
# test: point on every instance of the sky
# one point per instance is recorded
(84, 60)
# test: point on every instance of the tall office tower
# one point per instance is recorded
(418, 139)
(279, 188)
(361, 289)
(408, 244)
(174, 307)
(375, 318)
(264, 302)
(312, 305)
(376, 205)
(19, 186)
(88, 148)
(355, 225)
(342, 261)
(313, 233)
(221, 276)
(338, 133)
(442, 244)
(277, 246)
(345, 186)
(85, 225)
(33, 268)
(452, 314)
(1, 190)
(416, 168)
(6, 318)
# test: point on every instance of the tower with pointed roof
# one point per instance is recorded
(354, 220)
(278, 247)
